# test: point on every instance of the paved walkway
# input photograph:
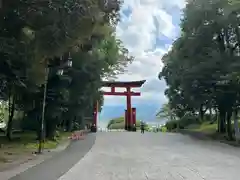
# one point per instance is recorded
(60, 163)
(133, 156)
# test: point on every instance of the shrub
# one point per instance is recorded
(163, 129)
(184, 122)
(171, 125)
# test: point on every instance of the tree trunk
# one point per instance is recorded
(69, 125)
(236, 128)
(51, 125)
(11, 108)
(210, 114)
(222, 121)
(81, 121)
(38, 117)
(216, 115)
(229, 125)
(201, 113)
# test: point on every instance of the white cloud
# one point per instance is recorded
(148, 20)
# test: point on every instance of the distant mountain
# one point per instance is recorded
(145, 112)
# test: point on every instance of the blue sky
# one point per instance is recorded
(147, 29)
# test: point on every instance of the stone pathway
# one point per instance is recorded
(155, 156)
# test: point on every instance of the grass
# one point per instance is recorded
(205, 127)
(24, 144)
(210, 130)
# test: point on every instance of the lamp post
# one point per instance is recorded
(41, 138)
(59, 72)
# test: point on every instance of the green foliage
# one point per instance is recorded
(36, 36)
(120, 120)
(166, 113)
(163, 129)
(116, 123)
(119, 123)
(184, 122)
(187, 120)
(202, 68)
(171, 125)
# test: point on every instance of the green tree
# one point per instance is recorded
(166, 113)
(201, 69)
(37, 34)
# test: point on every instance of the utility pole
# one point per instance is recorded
(41, 139)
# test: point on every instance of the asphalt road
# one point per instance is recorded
(133, 156)
(60, 163)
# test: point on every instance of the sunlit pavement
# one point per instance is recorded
(155, 156)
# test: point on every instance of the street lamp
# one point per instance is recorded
(59, 72)
(68, 64)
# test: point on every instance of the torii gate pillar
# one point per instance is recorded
(126, 119)
(134, 119)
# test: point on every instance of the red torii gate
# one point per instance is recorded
(130, 113)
